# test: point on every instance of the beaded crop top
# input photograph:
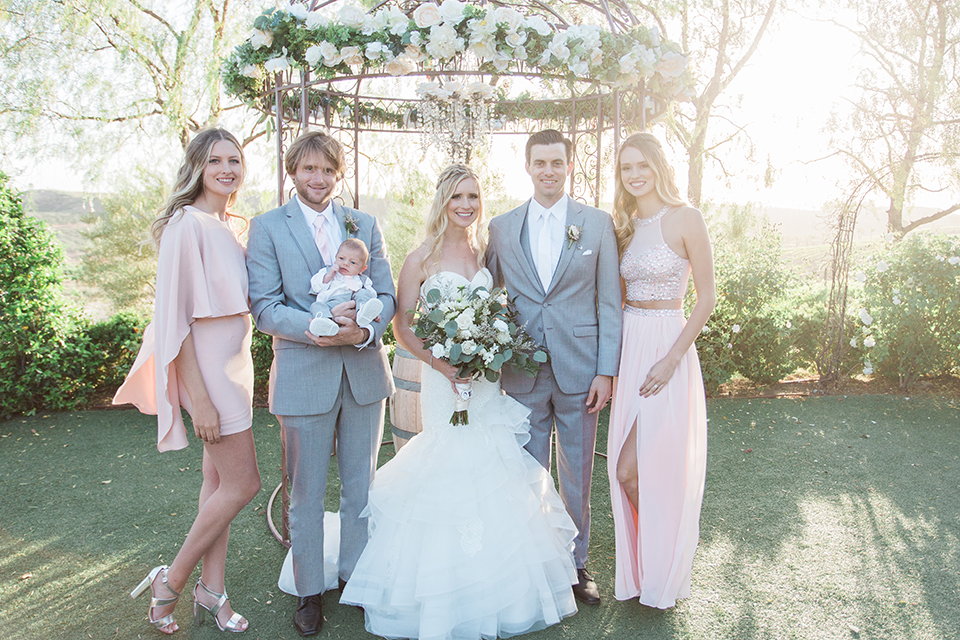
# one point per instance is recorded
(650, 268)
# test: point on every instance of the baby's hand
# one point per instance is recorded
(328, 276)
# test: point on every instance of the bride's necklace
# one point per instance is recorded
(645, 221)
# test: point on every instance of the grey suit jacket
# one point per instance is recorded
(580, 317)
(281, 258)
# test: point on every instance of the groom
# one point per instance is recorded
(320, 386)
(559, 258)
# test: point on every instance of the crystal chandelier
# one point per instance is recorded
(455, 116)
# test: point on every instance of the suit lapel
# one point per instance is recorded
(340, 214)
(520, 234)
(575, 219)
(302, 236)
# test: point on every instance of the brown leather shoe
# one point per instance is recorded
(586, 590)
(309, 616)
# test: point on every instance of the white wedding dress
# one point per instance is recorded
(468, 537)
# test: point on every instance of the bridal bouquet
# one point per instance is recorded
(478, 332)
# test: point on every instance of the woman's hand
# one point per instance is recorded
(448, 370)
(657, 377)
(206, 422)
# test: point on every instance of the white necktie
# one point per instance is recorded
(320, 237)
(545, 262)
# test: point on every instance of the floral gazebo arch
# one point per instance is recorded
(591, 71)
(596, 73)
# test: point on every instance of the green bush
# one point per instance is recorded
(32, 311)
(807, 328)
(748, 331)
(911, 314)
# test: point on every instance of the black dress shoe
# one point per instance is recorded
(309, 616)
(586, 589)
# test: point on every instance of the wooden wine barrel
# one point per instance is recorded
(405, 421)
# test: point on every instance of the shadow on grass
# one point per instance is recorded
(816, 532)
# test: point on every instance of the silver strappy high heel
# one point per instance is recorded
(145, 584)
(200, 610)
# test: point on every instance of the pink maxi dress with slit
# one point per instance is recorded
(655, 547)
(201, 290)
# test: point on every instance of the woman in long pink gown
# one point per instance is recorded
(657, 445)
(196, 355)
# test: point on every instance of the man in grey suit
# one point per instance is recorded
(320, 385)
(559, 259)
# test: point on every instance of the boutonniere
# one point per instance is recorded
(573, 235)
(350, 223)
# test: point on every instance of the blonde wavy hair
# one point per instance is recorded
(665, 183)
(436, 223)
(189, 182)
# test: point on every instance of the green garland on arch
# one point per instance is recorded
(450, 36)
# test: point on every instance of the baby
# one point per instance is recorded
(342, 282)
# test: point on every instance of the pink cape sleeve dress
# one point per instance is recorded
(201, 290)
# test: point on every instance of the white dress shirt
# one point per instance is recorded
(545, 228)
(331, 229)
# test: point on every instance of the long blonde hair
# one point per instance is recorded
(189, 182)
(665, 183)
(436, 223)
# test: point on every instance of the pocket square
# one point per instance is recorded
(588, 252)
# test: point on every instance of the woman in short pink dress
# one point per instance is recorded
(196, 355)
(657, 444)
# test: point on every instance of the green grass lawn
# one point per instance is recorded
(823, 518)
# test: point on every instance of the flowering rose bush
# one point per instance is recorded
(910, 320)
(499, 40)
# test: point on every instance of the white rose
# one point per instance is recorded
(313, 55)
(468, 347)
(954, 260)
(415, 38)
(853, 343)
(250, 71)
(260, 39)
(501, 62)
(882, 266)
(520, 53)
(444, 42)
(331, 57)
(516, 38)
(481, 90)
(280, 63)
(896, 299)
(645, 58)
(558, 47)
(400, 66)
(580, 68)
(510, 18)
(352, 16)
(500, 325)
(868, 369)
(596, 57)
(860, 276)
(396, 20)
(316, 20)
(869, 342)
(297, 10)
(437, 350)
(414, 53)
(465, 320)
(482, 27)
(865, 317)
(736, 328)
(452, 11)
(427, 89)
(539, 25)
(375, 50)
(427, 15)
(672, 65)
(484, 49)
(351, 55)
(628, 65)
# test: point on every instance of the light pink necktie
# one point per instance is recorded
(320, 237)
(544, 252)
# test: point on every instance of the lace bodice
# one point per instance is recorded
(650, 269)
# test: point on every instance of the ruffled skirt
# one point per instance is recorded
(655, 547)
(468, 537)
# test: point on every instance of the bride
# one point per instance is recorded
(468, 537)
